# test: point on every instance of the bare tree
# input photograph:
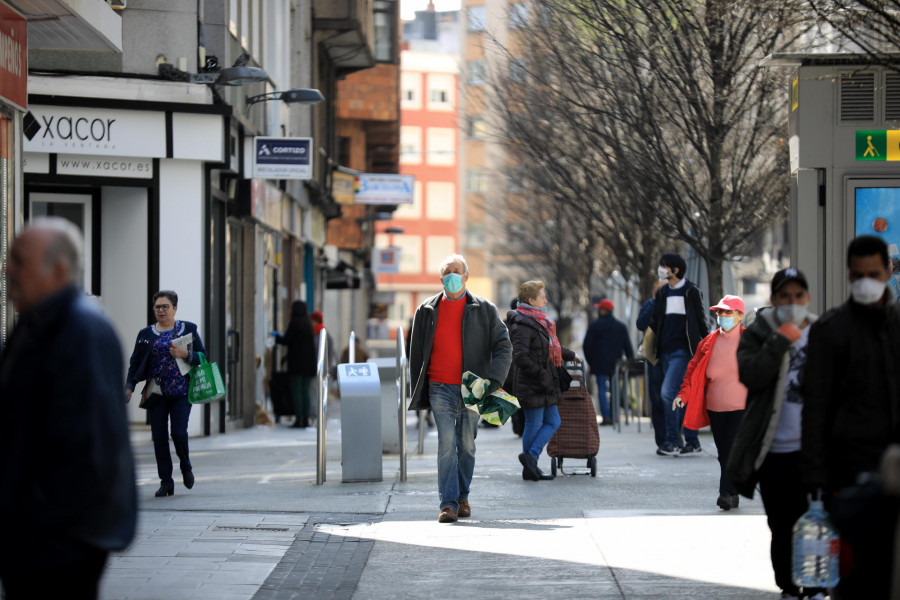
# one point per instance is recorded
(872, 25)
(655, 120)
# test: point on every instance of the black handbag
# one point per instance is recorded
(565, 378)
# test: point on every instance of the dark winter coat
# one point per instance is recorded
(851, 393)
(763, 361)
(696, 325)
(301, 349)
(66, 467)
(537, 380)
(486, 348)
(604, 343)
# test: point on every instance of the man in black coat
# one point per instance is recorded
(67, 488)
(604, 343)
(851, 409)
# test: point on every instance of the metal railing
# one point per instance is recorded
(402, 397)
(622, 391)
(322, 399)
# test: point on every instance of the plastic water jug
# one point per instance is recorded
(816, 549)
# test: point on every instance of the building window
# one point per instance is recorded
(440, 200)
(440, 146)
(440, 96)
(475, 235)
(477, 16)
(385, 14)
(411, 86)
(476, 181)
(517, 71)
(475, 72)
(440, 88)
(518, 15)
(476, 128)
(410, 145)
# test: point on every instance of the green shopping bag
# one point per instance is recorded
(206, 382)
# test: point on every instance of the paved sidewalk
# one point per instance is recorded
(256, 526)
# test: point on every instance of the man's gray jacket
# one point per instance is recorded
(487, 351)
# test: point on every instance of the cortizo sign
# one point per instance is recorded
(108, 132)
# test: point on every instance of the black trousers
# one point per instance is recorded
(76, 579)
(785, 501)
(724, 427)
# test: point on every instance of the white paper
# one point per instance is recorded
(185, 341)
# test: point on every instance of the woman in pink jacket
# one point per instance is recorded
(712, 391)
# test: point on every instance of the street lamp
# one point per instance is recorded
(228, 76)
(294, 96)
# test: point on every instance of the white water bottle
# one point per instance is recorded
(816, 549)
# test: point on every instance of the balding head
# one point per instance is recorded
(45, 258)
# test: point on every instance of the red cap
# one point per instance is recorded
(605, 303)
(317, 316)
(729, 303)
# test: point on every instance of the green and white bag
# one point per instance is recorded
(206, 383)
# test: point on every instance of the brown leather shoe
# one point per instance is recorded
(448, 515)
(464, 509)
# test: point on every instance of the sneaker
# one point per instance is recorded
(667, 450)
(690, 450)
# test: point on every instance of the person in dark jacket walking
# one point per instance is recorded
(536, 354)
(454, 332)
(771, 359)
(604, 344)
(679, 322)
(66, 467)
(301, 358)
(851, 408)
(154, 360)
(654, 374)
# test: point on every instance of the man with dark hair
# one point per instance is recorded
(66, 468)
(851, 409)
(679, 321)
(604, 344)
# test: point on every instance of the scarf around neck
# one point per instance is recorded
(549, 326)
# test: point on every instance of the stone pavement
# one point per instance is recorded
(256, 526)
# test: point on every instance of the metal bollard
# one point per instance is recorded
(322, 399)
(402, 385)
(352, 348)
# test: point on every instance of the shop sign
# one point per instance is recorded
(382, 188)
(343, 187)
(13, 57)
(386, 260)
(282, 158)
(103, 131)
(104, 166)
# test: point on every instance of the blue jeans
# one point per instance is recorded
(603, 397)
(674, 364)
(457, 427)
(160, 409)
(540, 425)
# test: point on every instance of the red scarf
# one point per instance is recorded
(549, 326)
(317, 327)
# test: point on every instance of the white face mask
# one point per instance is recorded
(867, 290)
(663, 273)
(795, 313)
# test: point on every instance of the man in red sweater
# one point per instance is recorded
(454, 332)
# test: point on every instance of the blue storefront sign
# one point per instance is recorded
(282, 158)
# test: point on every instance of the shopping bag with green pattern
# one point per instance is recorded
(494, 407)
(206, 383)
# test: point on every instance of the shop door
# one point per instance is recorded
(234, 282)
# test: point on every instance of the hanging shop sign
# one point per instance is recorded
(383, 188)
(282, 158)
(103, 131)
(13, 57)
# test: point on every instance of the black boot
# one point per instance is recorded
(188, 476)
(164, 491)
(530, 465)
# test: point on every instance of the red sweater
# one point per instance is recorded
(445, 365)
(693, 386)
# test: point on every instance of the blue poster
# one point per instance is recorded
(878, 213)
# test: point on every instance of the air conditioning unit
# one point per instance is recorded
(117, 4)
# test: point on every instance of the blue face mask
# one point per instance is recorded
(452, 282)
(726, 323)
